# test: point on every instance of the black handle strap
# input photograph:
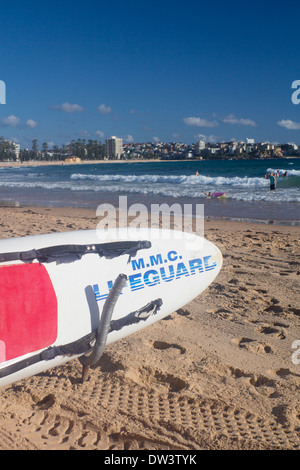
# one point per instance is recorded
(74, 252)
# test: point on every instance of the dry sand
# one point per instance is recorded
(217, 374)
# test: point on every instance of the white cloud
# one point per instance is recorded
(156, 139)
(207, 138)
(103, 109)
(231, 119)
(31, 123)
(11, 120)
(199, 122)
(200, 137)
(84, 134)
(69, 108)
(288, 124)
(99, 134)
(128, 138)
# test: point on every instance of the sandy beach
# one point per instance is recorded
(217, 374)
(30, 163)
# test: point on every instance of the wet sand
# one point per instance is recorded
(217, 374)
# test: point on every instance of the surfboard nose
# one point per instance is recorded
(214, 258)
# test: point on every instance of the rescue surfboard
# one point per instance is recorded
(219, 195)
(67, 295)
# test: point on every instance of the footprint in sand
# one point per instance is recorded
(252, 345)
(183, 312)
(224, 313)
(261, 384)
(272, 331)
(162, 345)
(295, 311)
(274, 309)
(284, 373)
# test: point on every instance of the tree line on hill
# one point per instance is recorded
(82, 148)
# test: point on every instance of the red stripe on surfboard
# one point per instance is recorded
(28, 310)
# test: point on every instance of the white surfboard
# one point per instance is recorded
(67, 295)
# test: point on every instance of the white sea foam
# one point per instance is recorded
(178, 180)
(239, 188)
(289, 171)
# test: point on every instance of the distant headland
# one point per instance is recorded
(114, 149)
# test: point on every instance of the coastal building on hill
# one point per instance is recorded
(113, 147)
(9, 150)
(200, 145)
(16, 151)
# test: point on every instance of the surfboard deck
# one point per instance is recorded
(53, 289)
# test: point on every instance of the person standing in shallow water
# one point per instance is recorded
(272, 179)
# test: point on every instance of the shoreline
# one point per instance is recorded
(137, 160)
(83, 162)
(211, 217)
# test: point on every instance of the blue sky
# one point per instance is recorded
(153, 70)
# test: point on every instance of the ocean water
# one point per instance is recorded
(87, 185)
